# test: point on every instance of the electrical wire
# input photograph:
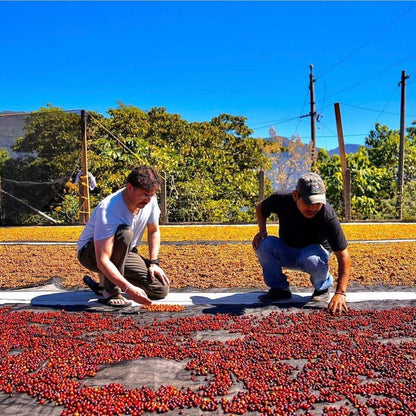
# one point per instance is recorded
(371, 76)
(342, 60)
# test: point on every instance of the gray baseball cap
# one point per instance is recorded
(311, 188)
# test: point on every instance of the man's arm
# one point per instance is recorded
(103, 251)
(338, 302)
(262, 223)
(153, 241)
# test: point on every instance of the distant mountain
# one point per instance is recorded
(349, 148)
(11, 127)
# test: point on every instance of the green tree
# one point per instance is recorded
(4, 157)
(217, 179)
(52, 137)
(369, 184)
(115, 144)
(409, 201)
(226, 159)
(210, 167)
(383, 148)
(374, 175)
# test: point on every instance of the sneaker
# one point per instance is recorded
(275, 294)
(321, 295)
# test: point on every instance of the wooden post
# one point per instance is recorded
(347, 195)
(261, 185)
(400, 172)
(163, 202)
(346, 182)
(1, 203)
(84, 182)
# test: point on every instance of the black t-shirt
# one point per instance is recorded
(298, 231)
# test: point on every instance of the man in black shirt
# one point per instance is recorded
(309, 230)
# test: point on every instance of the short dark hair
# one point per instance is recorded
(144, 177)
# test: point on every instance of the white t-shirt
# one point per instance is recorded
(112, 212)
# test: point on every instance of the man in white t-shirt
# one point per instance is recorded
(108, 243)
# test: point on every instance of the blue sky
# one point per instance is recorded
(201, 59)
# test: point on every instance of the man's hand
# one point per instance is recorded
(338, 304)
(261, 235)
(157, 272)
(138, 295)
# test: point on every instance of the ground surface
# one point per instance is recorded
(208, 357)
(231, 357)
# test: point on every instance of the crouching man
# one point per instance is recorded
(107, 244)
(309, 231)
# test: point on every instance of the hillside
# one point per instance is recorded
(349, 148)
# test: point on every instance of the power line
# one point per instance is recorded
(282, 121)
(370, 109)
(377, 111)
(340, 61)
(371, 76)
(303, 106)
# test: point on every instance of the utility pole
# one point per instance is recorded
(312, 113)
(400, 173)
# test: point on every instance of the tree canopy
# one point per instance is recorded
(374, 170)
(210, 167)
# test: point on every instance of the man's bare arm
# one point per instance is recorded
(262, 223)
(153, 241)
(338, 302)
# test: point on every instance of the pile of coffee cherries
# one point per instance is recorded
(276, 363)
(160, 307)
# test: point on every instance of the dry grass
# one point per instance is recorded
(206, 266)
(359, 231)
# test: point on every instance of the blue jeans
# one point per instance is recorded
(273, 254)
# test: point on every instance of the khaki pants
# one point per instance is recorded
(128, 261)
